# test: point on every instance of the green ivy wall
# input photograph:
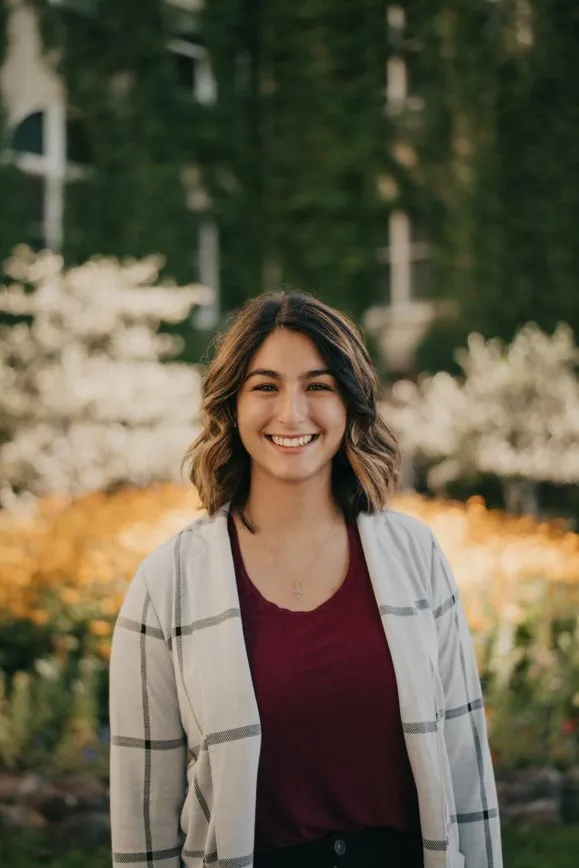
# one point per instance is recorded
(290, 151)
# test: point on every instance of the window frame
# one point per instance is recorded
(203, 85)
(401, 254)
(52, 166)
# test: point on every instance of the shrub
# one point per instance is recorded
(88, 398)
(514, 413)
(68, 567)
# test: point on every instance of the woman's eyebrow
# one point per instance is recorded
(275, 375)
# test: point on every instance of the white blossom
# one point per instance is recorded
(515, 413)
(86, 400)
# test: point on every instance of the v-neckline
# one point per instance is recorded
(245, 579)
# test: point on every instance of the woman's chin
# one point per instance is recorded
(293, 471)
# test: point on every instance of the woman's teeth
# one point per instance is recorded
(289, 442)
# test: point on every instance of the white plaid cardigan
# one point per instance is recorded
(185, 729)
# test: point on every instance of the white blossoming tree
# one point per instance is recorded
(86, 398)
(515, 414)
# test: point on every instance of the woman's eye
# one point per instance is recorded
(312, 387)
(322, 387)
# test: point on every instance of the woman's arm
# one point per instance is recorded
(465, 725)
(148, 747)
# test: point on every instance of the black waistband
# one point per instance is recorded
(368, 848)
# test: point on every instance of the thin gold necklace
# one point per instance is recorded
(298, 587)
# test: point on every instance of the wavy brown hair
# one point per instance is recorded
(365, 469)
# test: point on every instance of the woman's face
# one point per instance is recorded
(290, 414)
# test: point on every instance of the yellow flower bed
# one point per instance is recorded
(82, 554)
(503, 563)
(85, 551)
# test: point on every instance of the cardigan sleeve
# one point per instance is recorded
(148, 747)
(465, 729)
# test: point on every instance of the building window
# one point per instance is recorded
(193, 69)
(396, 72)
(50, 150)
(207, 317)
(29, 135)
(408, 259)
(403, 77)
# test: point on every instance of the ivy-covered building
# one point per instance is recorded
(91, 163)
(415, 156)
(253, 149)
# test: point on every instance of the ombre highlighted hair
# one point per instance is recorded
(366, 468)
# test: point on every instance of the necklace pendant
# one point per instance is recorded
(298, 590)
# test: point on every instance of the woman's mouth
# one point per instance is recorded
(292, 442)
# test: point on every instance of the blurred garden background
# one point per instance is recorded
(413, 163)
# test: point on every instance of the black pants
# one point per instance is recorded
(370, 848)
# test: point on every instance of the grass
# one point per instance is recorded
(523, 848)
(32, 851)
(541, 848)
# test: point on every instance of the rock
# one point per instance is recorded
(89, 829)
(570, 796)
(30, 784)
(9, 787)
(83, 792)
(530, 785)
(21, 817)
(541, 812)
(52, 803)
(17, 789)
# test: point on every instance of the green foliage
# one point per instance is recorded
(523, 848)
(530, 673)
(301, 91)
(22, 643)
(451, 57)
(528, 847)
(53, 710)
(140, 130)
(291, 150)
(526, 199)
(49, 718)
(438, 347)
(4, 13)
(13, 187)
(23, 851)
(498, 146)
(289, 153)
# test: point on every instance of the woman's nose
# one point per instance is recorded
(292, 406)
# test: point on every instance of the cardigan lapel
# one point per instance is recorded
(397, 603)
(231, 718)
(404, 631)
(232, 696)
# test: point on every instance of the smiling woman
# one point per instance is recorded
(292, 677)
(291, 354)
(292, 418)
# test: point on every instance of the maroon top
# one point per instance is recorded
(333, 756)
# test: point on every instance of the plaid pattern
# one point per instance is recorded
(185, 725)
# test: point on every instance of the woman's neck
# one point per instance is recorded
(276, 508)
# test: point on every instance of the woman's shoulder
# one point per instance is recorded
(185, 546)
(401, 527)
(181, 558)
